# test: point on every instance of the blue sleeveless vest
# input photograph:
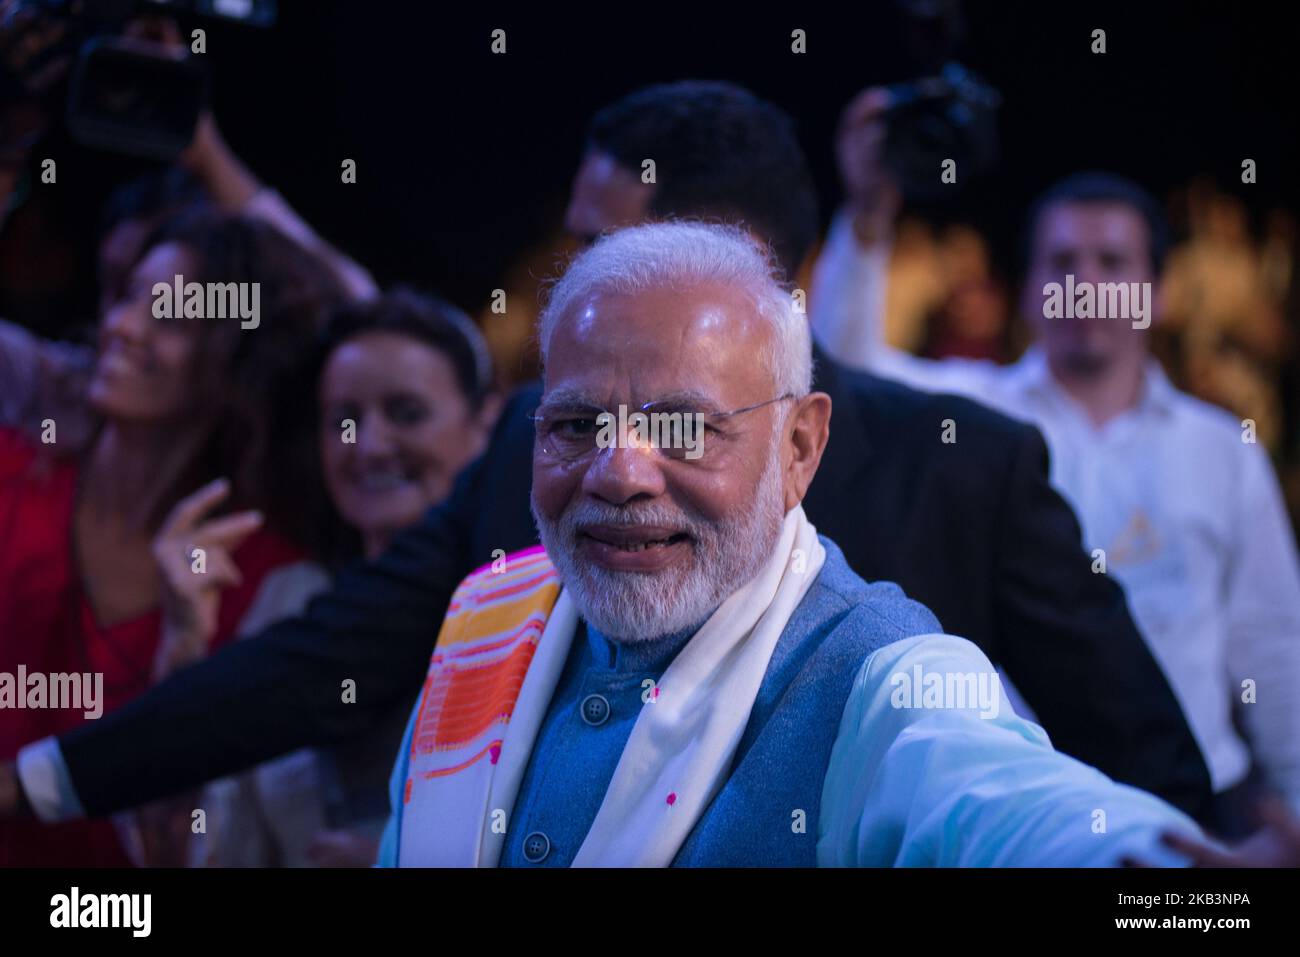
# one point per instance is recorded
(767, 812)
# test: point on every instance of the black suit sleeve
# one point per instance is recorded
(283, 689)
(1095, 687)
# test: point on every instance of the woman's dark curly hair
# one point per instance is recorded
(253, 387)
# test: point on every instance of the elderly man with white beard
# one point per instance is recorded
(685, 673)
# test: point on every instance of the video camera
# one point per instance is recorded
(949, 116)
(943, 111)
(126, 96)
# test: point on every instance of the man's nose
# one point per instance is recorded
(618, 475)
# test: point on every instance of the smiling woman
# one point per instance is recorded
(404, 389)
(175, 405)
(406, 401)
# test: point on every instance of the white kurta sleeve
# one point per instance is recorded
(920, 777)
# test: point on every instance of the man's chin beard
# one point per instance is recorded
(636, 607)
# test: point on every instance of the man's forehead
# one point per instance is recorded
(659, 344)
(699, 309)
(604, 380)
(600, 170)
(605, 195)
(1110, 222)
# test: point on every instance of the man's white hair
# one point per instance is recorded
(683, 254)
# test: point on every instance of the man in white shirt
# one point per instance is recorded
(1176, 499)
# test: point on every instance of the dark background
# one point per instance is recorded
(464, 157)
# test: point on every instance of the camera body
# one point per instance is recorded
(130, 97)
(127, 98)
(952, 115)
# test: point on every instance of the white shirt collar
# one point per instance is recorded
(1031, 375)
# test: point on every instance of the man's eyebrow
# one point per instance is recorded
(682, 401)
(687, 401)
(568, 400)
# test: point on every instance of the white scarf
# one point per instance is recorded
(675, 760)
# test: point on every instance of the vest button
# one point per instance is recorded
(536, 846)
(595, 710)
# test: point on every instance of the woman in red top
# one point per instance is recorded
(178, 403)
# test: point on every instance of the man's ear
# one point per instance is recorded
(807, 432)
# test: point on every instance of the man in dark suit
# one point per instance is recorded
(972, 530)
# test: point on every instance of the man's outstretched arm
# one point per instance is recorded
(283, 689)
(966, 782)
